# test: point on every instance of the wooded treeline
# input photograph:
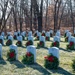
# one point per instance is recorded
(36, 14)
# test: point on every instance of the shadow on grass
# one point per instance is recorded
(23, 46)
(42, 47)
(66, 49)
(36, 40)
(45, 48)
(18, 64)
(41, 69)
(61, 71)
(62, 41)
(5, 45)
(51, 40)
(38, 47)
(2, 61)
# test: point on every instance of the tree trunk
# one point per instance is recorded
(40, 23)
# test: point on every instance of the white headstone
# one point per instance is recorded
(1, 37)
(47, 34)
(43, 31)
(56, 38)
(14, 47)
(10, 37)
(51, 31)
(68, 34)
(30, 38)
(23, 33)
(8, 33)
(58, 33)
(18, 32)
(37, 31)
(74, 31)
(72, 39)
(19, 38)
(0, 51)
(2, 34)
(66, 31)
(54, 51)
(30, 33)
(42, 38)
(32, 49)
(39, 34)
(15, 33)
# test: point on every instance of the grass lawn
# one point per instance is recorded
(18, 68)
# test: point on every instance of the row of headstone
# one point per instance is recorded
(68, 34)
(42, 38)
(32, 49)
(30, 33)
(18, 33)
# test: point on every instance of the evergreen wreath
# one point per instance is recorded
(19, 43)
(30, 42)
(40, 44)
(55, 44)
(51, 62)
(15, 37)
(11, 55)
(70, 46)
(47, 38)
(9, 42)
(28, 58)
(43, 34)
